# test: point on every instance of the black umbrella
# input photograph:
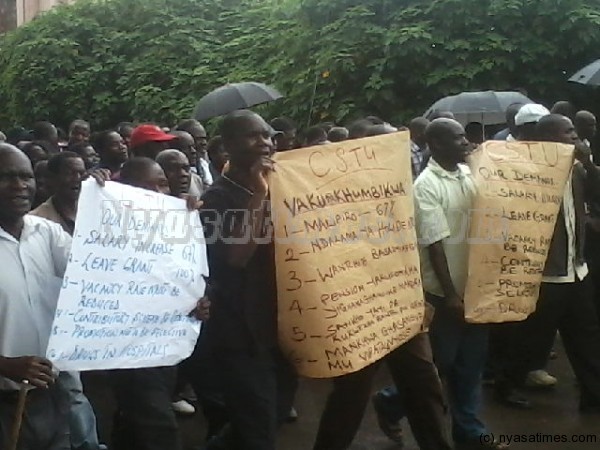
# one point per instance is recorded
(589, 75)
(486, 107)
(232, 97)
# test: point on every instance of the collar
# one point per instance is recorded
(30, 226)
(462, 172)
(415, 148)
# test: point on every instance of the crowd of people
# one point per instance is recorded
(239, 376)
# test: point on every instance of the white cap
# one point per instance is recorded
(531, 113)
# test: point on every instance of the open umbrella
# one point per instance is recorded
(589, 75)
(485, 107)
(232, 97)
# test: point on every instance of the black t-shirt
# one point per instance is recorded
(244, 300)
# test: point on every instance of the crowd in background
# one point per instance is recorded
(240, 379)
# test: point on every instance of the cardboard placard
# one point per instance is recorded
(348, 275)
(520, 190)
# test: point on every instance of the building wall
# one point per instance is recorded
(8, 15)
(14, 13)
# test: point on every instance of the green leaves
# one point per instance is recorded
(151, 60)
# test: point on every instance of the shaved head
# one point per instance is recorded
(418, 123)
(6, 148)
(170, 155)
(564, 108)
(144, 173)
(246, 138)
(447, 142)
(585, 124)
(233, 120)
(441, 115)
(556, 128)
(511, 112)
(440, 127)
(177, 169)
(417, 128)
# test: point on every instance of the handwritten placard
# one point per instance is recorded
(520, 191)
(348, 274)
(135, 272)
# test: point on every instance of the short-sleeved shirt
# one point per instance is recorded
(244, 300)
(443, 201)
(29, 287)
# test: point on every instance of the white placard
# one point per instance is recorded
(135, 272)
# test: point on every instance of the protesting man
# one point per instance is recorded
(185, 143)
(444, 195)
(79, 132)
(177, 169)
(112, 151)
(566, 301)
(285, 137)
(242, 333)
(145, 420)
(510, 132)
(149, 140)
(418, 391)
(66, 170)
(198, 132)
(37, 251)
(419, 152)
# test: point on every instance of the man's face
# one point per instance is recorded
(177, 170)
(126, 135)
(200, 138)
(90, 157)
(285, 141)
(253, 141)
(565, 132)
(67, 183)
(42, 190)
(17, 185)
(156, 180)
(79, 134)
(53, 135)
(587, 128)
(35, 153)
(454, 143)
(152, 149)
(187, 145)
(220, 159)
(116, 150)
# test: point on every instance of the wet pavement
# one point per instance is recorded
(555, 412)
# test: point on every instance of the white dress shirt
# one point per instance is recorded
(206, 168)
(573, 269)
(30, 282)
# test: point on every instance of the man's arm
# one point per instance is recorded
(439, 263)
(583, 154)
(432, 229)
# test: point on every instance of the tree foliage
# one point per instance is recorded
(113, 60)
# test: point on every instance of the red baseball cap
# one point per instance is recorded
(149, 133)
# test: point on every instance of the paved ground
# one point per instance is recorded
(555, 413)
